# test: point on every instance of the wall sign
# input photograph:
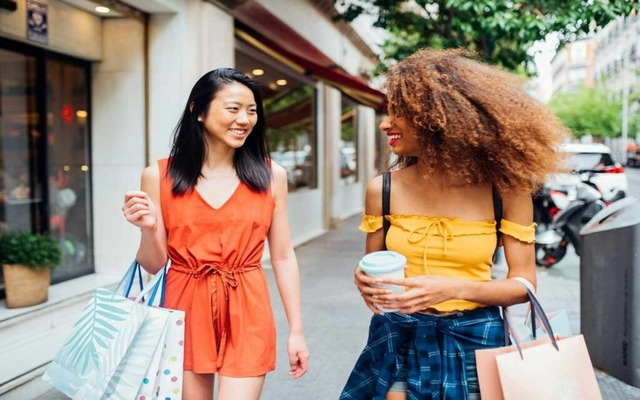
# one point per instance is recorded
(37, 21)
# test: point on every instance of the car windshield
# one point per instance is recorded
(590, 161)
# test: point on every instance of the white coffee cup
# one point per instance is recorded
(385, 264)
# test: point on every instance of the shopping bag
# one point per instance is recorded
(128, 376)
(549, 368)
(107, 348)
(543, 373)
(546, 373)
(163, 379)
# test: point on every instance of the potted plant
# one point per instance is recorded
(27, 260)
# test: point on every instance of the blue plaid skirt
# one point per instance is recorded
(434, 355)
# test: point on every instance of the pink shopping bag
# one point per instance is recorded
(543, 373)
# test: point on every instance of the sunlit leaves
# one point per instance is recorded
(589, 112)
(502, 31)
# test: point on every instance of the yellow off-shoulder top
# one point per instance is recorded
(449, 247)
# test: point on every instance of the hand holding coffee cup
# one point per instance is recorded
(385, 264)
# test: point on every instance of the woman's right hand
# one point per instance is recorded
(139, 210)
(368, 290)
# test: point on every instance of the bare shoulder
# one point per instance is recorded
(152, 171)
(279, 179)
(278, 170)
(279, 173)
(151, 178)
(373, 197)
(374, 187)
(517, 207)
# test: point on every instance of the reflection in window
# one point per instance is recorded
(68, 165)
(349, 142)
(290, 110)
(20, 183)
(291, 130)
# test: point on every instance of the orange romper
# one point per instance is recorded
(216, 277)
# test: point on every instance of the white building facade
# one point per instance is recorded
(618, 57)
(87, 100)
(617, 68)
(573, 66)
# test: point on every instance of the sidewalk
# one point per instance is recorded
(336, 320)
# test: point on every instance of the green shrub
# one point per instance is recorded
(30, 249)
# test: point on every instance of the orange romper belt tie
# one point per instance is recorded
(222, 277)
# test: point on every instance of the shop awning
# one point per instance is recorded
(271, 36)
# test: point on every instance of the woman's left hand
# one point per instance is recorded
(421, 292)
(298, 355)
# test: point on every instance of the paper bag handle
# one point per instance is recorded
(158, 282)
(535, 308)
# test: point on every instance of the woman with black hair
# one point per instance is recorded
(208, 208)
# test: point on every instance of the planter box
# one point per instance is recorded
(25, 286)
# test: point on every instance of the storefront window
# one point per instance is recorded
(348, 142)
(290, 108)
(68, 165)
(20, 128)
(383, 154)
(44, 151)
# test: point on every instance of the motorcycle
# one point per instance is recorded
(548, 202)
(551, 245)
(554, 197)
(608, 197)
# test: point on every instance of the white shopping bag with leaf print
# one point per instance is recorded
(111, 344)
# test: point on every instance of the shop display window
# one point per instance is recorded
(348, 141)
(20, 131)
(44, 152)
(290, 108)
(68, 166)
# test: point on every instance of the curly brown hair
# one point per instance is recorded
(475, 122)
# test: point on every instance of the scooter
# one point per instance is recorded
(551, 245)
(608, 197)
(548, 202)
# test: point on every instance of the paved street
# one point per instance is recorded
(336, 320)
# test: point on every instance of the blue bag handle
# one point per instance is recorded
(161, 285)
(158, 282)
(126, 283)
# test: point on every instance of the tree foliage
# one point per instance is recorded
(589, 112)
(500, 31)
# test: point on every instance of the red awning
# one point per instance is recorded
(269, 34)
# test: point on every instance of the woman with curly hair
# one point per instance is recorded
(472, 146)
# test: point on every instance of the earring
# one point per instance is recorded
(199, 119)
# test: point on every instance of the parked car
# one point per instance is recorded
(633, 159)
(593, 163)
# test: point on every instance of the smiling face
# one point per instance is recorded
(402, 137)
(231, 116)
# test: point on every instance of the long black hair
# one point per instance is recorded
(189, 146)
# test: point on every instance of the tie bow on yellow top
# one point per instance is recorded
(441, 227)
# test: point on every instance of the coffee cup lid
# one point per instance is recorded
(382, 261)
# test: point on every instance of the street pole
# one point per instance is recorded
(625, 103)
(625, 119)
